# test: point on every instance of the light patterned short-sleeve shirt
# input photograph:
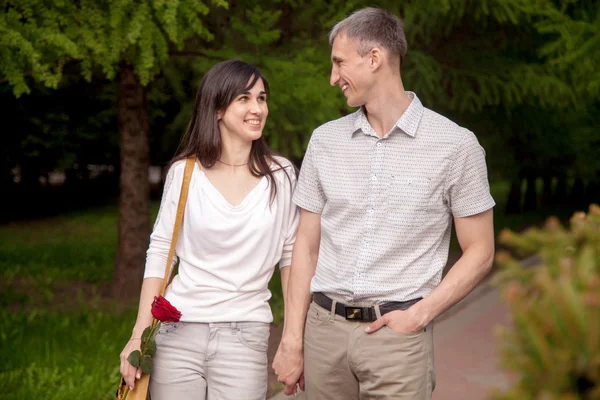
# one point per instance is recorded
(387, 203)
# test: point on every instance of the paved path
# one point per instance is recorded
(466, 349)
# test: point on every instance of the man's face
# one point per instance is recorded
(350, 71)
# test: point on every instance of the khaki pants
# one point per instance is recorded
(216, 361)
(342, 361)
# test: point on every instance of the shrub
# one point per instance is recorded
(553, 345)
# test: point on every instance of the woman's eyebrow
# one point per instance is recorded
(248, 92)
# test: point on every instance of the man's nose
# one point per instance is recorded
(335, 77)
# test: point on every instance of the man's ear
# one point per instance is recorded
(376, 58)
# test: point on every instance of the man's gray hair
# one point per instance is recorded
(372, 27)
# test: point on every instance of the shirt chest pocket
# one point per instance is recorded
(409, 194)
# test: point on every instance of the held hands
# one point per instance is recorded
(407, 321)
(288, 364)
(129, 372)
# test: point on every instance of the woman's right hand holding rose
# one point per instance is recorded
(129, 372)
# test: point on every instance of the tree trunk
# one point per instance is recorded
(560, 191)
(530, 194)
(513, 203)
(134, 218)
(546, 198)
(578, 193)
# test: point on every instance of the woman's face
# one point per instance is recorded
(245, 117)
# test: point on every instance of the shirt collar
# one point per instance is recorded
(408, 122)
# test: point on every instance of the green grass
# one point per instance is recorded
(54, 355)
(76, 246)
(45, 351)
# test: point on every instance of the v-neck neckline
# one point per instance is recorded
(222, 198)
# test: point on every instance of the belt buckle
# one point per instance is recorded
(353, 313)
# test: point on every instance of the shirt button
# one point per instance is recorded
(379, 144)
(371, 211)
(374, 177)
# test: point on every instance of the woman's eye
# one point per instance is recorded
(262, 98)
(243, 98)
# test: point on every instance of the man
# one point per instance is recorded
(378, 192)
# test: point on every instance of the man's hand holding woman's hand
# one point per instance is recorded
(288, 364)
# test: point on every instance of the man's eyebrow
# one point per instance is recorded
(336, 59)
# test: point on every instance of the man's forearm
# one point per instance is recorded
(462, 278)
(304, 262)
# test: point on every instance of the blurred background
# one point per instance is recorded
(96, 96)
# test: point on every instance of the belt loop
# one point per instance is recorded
(234, 327)
(332, 311)
(377, 311)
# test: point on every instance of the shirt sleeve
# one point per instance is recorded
(162, 233)
(309, 192)
(292, 217)
(467, 187)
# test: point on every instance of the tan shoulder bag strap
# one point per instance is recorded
(141, 386)
(187, 177)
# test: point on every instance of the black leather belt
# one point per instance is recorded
(363, 314)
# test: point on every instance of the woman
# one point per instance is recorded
(239, 222)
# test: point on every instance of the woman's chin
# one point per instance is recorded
(253, 135)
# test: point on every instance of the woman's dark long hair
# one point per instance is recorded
(219, 87)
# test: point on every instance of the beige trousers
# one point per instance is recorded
(217, 361)
(343, 362)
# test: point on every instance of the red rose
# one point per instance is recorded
(164, 311)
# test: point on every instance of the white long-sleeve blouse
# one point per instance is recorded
(226, 253)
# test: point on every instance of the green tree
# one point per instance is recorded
(571, 30)
(464, 58)
(126, 40)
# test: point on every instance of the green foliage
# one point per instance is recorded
(468, 58)
(573, 31)
(466, 55)
(38, 38)
(258, 25)
(134, 358)
(485, 64)
(62, 355)
(146, 364)
(554, 346)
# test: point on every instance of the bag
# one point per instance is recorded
(140, 391)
